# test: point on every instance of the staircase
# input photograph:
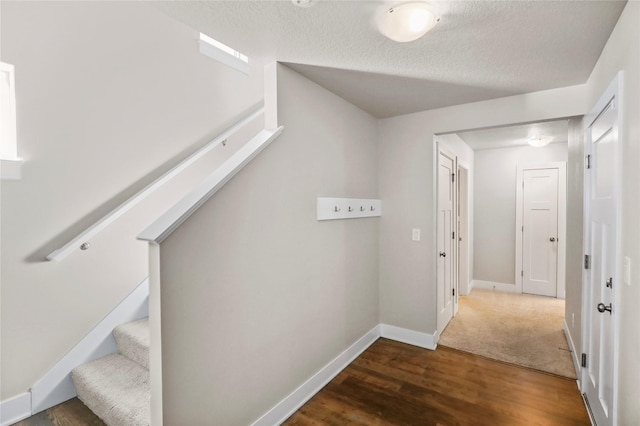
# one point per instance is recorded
(116, 387)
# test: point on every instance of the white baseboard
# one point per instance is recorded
(56, 385)
(491, 285)
(15, 409)
(415, 338)
(574, 353)
(285, 408)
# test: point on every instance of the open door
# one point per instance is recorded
(446, 247)
(601, 230)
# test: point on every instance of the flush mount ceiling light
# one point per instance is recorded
(408, 21)
(540, 141)
(303, 3)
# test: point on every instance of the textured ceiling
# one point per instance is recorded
(479, 50)
(510, 136)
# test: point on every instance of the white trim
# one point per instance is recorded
(572, 348)
(11, 169)
(94, 229)
(492, 285)
(411, 337)
(155, 336)
(561, 166)
(14, 409)
(176, 215)
(285, 408)
(56, 385)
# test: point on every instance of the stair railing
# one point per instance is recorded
(81, 241)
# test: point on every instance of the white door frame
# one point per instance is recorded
(612, 93)
(562, 222)
(464, 195)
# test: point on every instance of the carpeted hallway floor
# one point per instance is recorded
(522, 329)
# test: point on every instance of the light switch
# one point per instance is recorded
(415, 234)
(626, 270)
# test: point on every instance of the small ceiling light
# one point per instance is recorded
(540, 141)
(303, 3)
(408, 21)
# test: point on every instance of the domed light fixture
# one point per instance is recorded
(408, 21)
(540, 141)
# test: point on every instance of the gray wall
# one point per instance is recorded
(266, 293)
(495, 207)
(109, 95)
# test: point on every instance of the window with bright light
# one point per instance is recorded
(223, 53)
(10, 165)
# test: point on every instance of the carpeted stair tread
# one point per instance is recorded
(133, 341)
(116, 389)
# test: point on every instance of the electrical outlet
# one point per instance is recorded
(415, 234)
(573, 320)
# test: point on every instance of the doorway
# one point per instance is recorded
(541, 229)
(494, 170)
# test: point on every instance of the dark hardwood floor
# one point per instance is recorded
(396, 384)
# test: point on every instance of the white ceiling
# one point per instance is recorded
(511, 136)
(480, 49)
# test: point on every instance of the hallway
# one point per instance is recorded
(521, 329)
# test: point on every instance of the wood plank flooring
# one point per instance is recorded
(396, 384)
(70, 413)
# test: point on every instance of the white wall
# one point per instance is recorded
(407, 268)
(108, 94)
(622, 52)
(495, 207)
(273, 295)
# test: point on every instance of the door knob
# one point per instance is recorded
(443, 254)
(552, 239)
(603, 308)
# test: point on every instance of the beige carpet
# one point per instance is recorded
(517, 328)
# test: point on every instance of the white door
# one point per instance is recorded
(445, 246)
(540, 232)
(601, 207)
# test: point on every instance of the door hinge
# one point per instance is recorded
(522, 273)
(453, 177)
(453, 235)
(583, 360)
(587, 161)
(454, 291)
(587, 261)
(523, 229)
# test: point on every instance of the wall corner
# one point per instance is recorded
(271, 96)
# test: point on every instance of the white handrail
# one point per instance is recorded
(174, 217)
(81, 241)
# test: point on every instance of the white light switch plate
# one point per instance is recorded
(626, 271)
(415, 234)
